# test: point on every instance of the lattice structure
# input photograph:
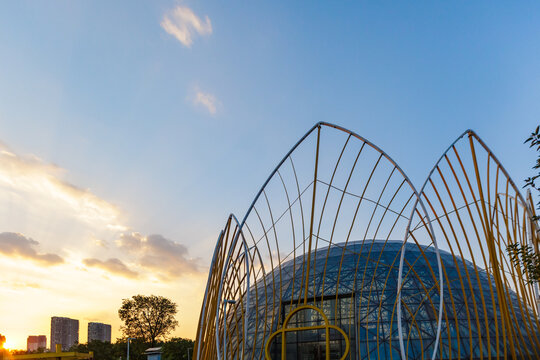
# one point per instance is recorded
(490, 307)
(340, 257)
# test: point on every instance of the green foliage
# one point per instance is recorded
(177, 349)
(534, 142)
(527, 259)
(150, 318)
(102, 349)
(18, 352)
(524, 256)
(174, 349)
(137, 347)
(25, 352)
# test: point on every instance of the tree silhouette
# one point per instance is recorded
(2, 350)
(150, 318)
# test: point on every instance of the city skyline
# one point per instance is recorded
(129, 131)
(95, 331)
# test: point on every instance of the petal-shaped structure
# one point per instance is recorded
(326, 230)
(207, 330)
(339, 257)
(490, 308)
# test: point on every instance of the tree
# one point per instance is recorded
(103, 350)
(177, 349)
(525, 256)
(150, 318)
(2, 350)
(136, 349)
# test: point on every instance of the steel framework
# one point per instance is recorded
(340, 257)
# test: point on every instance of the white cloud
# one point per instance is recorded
(76, 230)
(206, 100)
(101, 243)
(182, 23)
(35, 179)
(40, 186)
(159, 254)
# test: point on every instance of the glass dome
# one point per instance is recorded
(365, 308)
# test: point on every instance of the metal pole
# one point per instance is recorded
(128, 339)
(225, 302)
(225, 330)
(188, 353)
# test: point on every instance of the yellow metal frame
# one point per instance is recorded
(68, 355)
(285, 330)
(469, 207)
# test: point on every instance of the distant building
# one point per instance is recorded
(99, 331)
(64, 331)
(33, 343)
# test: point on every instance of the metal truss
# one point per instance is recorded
(338, 250)
(477, 211)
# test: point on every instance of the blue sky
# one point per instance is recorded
(175, 135)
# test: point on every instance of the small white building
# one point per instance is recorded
(153, 353)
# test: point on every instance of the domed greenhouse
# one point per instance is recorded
(341, 257)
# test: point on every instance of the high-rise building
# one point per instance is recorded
(99, 331)
(64, 331)
(35, 342)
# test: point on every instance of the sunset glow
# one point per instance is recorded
(70, 269)
(129, 131)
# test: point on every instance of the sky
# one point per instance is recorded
(129, 130)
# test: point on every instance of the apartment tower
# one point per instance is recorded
(99, 331)
(64, 331)
(35, 342)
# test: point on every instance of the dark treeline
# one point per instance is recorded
(173, 349)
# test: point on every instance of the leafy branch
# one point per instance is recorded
(534, 142)
(524, 257)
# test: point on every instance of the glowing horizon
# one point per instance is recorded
(83, 273)
(130, 130)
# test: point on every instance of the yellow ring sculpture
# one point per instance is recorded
(285, 330)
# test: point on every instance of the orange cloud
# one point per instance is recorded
(159, 254)
(15, 244)
(114, 266)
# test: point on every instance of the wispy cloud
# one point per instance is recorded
(40, 180)
(206, 100)
(182, 23)
(15, 244)
(39, 184)
(19, 285)
(159, 254)
(114, 266)
(101, 243)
